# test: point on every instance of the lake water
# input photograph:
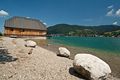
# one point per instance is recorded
(108, 44)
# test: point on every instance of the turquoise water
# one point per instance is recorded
(99, 43)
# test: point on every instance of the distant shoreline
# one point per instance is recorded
(49, 36)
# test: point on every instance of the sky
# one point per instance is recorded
(51, 12)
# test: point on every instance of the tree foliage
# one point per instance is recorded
(113, 33)
(76, 30)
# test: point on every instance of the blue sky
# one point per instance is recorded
(51, 12)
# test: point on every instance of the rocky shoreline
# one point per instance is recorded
(112, 60)
(42, 64)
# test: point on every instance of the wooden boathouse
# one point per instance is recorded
(24, 27)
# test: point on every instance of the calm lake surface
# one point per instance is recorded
(108, 44)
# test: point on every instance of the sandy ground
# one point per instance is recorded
(42, 64)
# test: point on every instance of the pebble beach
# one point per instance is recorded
(42, 64)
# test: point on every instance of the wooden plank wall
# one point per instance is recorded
(24, 32)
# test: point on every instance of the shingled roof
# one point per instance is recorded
(25, 23)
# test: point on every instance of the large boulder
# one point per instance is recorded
(30, 43)
(63, 52)
(91, 67)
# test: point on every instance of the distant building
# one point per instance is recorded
(23, 26)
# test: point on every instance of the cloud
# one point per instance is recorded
(110, 7)
(27, 17)
(118, 12)
(113, 12)
(45, 23)
(115, 23)
(110, 13)
(3, 13)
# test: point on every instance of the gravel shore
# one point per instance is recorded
(42, 64)
(112, 60)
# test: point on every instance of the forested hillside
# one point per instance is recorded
(77, 30)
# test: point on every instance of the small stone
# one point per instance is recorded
(63, 52)
(30, 43)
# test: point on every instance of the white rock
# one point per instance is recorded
(30, 43)
(64, 52)
(91, 67)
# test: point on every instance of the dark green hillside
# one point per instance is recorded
(63, 28)
(106, 28)
(78, 30)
